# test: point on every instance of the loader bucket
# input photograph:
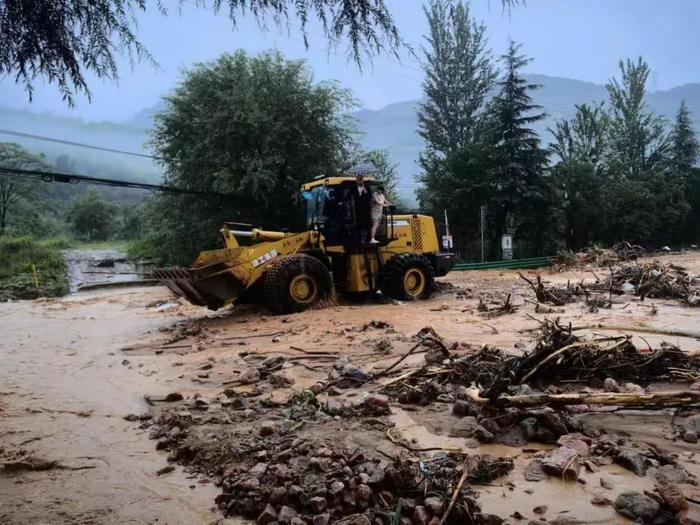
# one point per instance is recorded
(203, 288)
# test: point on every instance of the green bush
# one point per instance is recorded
(31, 269)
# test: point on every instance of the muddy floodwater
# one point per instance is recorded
(71, 369)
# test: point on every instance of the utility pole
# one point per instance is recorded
(482, 227)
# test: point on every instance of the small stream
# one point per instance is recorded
(96, 268)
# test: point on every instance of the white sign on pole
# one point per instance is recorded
(447, 242)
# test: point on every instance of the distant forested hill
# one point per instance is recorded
(393, 127)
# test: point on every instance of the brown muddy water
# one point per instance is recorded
(63, 394)
(72, 368)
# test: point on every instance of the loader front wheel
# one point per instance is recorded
(407, 277)
(296, 282)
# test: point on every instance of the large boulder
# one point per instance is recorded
(636, 506)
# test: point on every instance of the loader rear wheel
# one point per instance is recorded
(407, 277)
(296, 282)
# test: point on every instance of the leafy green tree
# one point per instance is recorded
(521, 194)
(59, 40)
(16, 190)
(637, 137)
(459, 74)
(582, 138)
(580, 144)
(254, 128)
(92, 217)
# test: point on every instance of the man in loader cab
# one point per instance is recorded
(363, 208)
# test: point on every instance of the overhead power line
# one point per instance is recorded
(77, 144)
(72, 178)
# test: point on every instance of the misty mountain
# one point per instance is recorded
(393, 127)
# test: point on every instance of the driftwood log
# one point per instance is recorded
(678, 398)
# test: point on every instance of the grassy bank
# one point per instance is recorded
(31, 269)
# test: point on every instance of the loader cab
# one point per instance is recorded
(329, 208)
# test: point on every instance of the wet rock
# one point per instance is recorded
(688, 517)
(267, 516)
(318, 504)
(671, 474)
(322, 519)
(377, 400)
(636, 506)
(286, 515)
(281, 380)
(317, 388)
(601, 501)
(434, 505)
(165, 470)
(277, 494)
(483, 435)
(534, 431)
(631, 388)
(250, 484)
(336, 488)
(173, 397)
(461, 408)
(692, 423)
(673, 496)
(465, 427)
(610, 385)
(434, 356)
(529, 428)
(632, 460)
(576, 443)
(534, 471)
(267, 428)
(364, 493)
(606, 483)
(562, 462)
(249, 376)
(420, 515)
(690, 436)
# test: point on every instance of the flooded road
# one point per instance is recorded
(64, 391)
(72, 368)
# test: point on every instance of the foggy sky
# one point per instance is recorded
(582, 39)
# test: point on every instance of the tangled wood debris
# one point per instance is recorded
(654, 280)
(559, 355)
(620, 252)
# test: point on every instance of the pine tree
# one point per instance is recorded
(685, 147)
(521, 192)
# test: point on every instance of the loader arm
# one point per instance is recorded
(219, 277)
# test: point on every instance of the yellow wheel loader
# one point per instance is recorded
(290, 272)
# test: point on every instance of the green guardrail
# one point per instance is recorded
(518, 264)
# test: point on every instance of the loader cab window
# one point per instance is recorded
(315, 202)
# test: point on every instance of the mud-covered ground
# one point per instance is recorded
(72, 369)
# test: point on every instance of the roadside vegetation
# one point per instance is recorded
(31, 268)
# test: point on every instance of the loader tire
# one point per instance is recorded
(407, 277)
(296, 282)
